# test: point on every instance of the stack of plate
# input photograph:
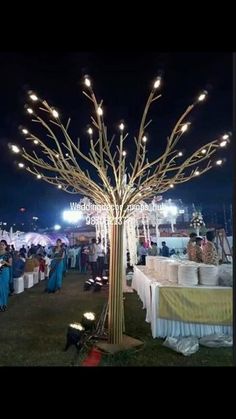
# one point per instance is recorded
(208, 275)
(188, 274)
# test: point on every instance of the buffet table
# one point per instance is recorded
(176, 310)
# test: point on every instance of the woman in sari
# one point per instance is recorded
(5, 267)
(56, 268)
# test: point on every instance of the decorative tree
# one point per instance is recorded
(110, 181)
(197, 221)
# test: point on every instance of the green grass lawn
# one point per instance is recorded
(33, 331)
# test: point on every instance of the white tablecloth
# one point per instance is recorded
(148, 290)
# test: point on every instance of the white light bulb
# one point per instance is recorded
(121, 126)
(57, 156)
(225, 137)
(144, 139)
(223, 143)
(157, 83)
(171, 185)
(39, 176)
(67, 154)
(219, 162)
(29, 110)
(180, 154)
(90, 131)
(124, 153)
(33, 97)
(59, 186)
(36, 142)
(184, 127)
(204, 151)
(87, 82)
(25, 131)
(21, 165)
(55, 113)
(99, 111)
(197, 173)
(202, 96)
(15, 149)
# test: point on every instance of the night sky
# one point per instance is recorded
(123, 81)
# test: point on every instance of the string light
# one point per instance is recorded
(36, 142)
(30, 111)
(55, 113)
(87, 82)
(219, 162)
(21, 165)
(184, 127)
(59, 186)
(121, 126)
(197, 173)
(99, 111)
(180, 154)
(124, 153)
(171, 185)
(25, 131)
(202, 96)
(144, 139)
(33, 97)
(15, 149)
(204, 151)
(157, 83)
(223, 143)
(225, 137)
(90, 131)
(39, 176)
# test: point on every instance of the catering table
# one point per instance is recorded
(175, 310)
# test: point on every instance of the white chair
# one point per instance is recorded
(18, 285)
(35, 277)
(28, 279)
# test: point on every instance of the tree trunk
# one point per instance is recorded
(116, 312)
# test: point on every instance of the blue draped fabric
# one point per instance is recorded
(4, 281)
(56, 272)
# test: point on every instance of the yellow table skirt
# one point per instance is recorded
(196, 305)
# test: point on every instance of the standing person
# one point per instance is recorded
(190, 246)
(152, 251)
(23, 250)
(210, 255)
(18, 265)
(5, 268)
(197, 250)
(164, 251)
(93, 258)
(101, 257)
(56, 268)
(142, 254)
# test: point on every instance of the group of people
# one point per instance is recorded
(143, 251)
(207, 253)
(198, 250)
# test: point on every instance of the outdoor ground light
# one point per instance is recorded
(105, 280)
(88, 321)
(97, 286)
(87, 285)
(75, 332)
